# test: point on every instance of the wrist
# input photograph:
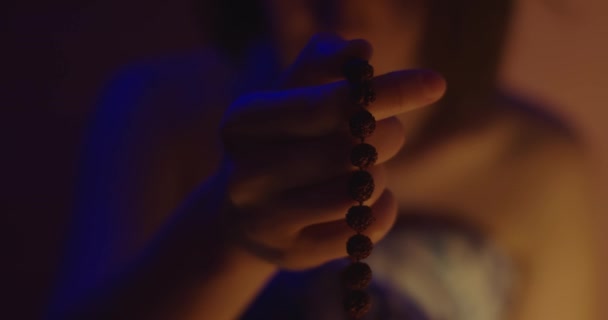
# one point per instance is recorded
(226, 272)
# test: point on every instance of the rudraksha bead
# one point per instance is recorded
(359, 247)
(356, 70)
(363, 155)
(361, 185)
(357, 303)
(363, 93)
(362, 124)
(359, 218)
(357, 276)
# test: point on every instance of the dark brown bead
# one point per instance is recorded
(357, 276)
(370, 95)
(357, 303)
(359, 218)
(363, 155)
(362, 124)
(363, 93)
(360, 186)
(356, 70)
(359, 247)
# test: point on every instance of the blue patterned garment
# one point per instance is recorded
(421, 272)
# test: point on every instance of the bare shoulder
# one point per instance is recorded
(544, 140)
(550, 167)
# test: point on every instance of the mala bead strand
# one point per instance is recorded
(361, 186)
(362, 124)
(357, 303)
(358, 275)
(359, 218)
(359, 247)
(363, 156)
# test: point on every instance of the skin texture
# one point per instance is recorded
(515, 177)
(262, 215)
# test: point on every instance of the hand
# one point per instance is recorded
(287, 155)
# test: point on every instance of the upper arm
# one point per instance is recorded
(153, 138)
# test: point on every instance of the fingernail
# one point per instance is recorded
(434, 84)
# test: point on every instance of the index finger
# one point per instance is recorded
(320, 110)
(402, 91)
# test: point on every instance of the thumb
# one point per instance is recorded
(322, 59)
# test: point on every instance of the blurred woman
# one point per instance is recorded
(482, 199)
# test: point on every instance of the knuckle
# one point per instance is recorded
(248, 188)
(239, 191)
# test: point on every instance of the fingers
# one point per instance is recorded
(317, 111)
(288, 151)
(403, 91)
(286, 215)
(322, 59)
(322, 203)
(327, 241)
(308, 162)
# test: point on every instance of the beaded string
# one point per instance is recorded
(358, 275)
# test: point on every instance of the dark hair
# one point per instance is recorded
(232, 25)
(464, 40)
